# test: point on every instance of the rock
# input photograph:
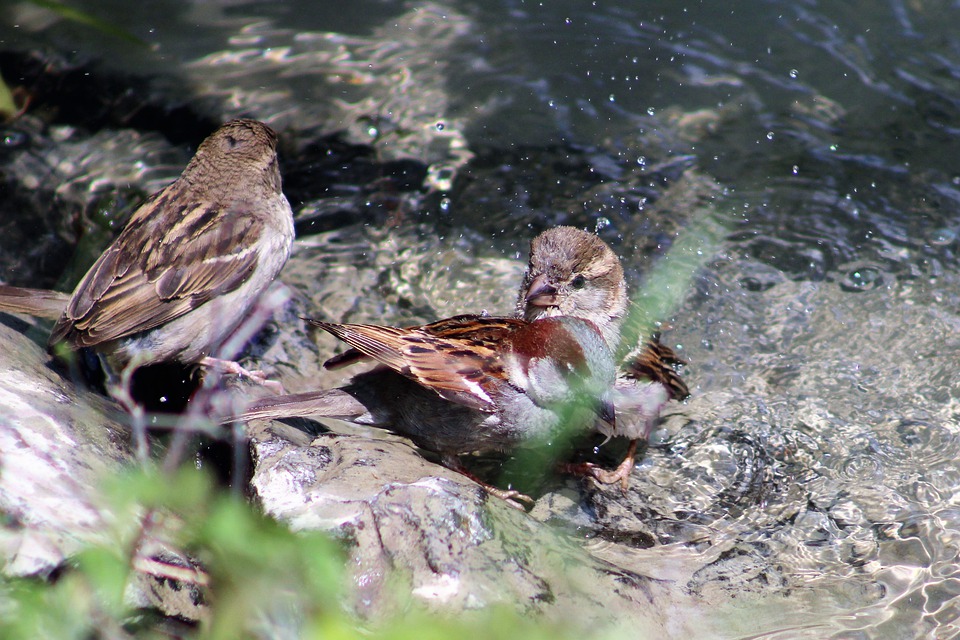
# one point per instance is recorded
(56, 444)
(456, 547)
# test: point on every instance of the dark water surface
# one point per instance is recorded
(809, 488)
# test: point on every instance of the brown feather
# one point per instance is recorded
(475, 328)
(34, 302)
(126, 293)
(456, 357)
(656, 362)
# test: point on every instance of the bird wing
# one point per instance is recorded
(471, 327)
(170, 259)
(457, 357)
(655, 362)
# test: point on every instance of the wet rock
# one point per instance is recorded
(67, 192)
(157, 585)
(455, 546)
(57, 443)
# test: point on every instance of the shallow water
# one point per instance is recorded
(810, 481)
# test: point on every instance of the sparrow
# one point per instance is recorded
(465, 384)
(188, 267)
(573, 273)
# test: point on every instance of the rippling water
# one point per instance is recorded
(808, 487)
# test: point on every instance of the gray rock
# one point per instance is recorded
(56, 445)
(456, 547)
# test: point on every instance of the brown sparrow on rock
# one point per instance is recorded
(573, 273)
(188, 267)
(465, 384)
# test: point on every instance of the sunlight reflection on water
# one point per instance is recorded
(809, 484)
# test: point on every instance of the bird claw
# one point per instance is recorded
(234, 368)
(619, 475)
(261, 378)
(512, 497)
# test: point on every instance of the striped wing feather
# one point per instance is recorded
(656, 362)
(456, 357)
(141, 282)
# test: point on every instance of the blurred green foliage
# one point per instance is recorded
(68, 12)
(261, 579)
(254, 566)
(8, 106)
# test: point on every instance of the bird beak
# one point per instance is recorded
(605, 411)
(541, 293)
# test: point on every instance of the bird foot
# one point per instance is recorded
(587, 469)
(512, 497)
(234, 368)
(621, 474)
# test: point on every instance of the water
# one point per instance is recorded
(808, 487)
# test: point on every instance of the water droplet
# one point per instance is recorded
(769, 135)
(445, 205)
(833, 147)
(602, 223)
(794, 73)
(568, 21)
(373, 132)
(862, 279)
(439, 126)
(942, 237)
(796, 170)
(15, 139)
(651, 111)
(611, 98)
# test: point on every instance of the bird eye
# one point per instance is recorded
(578, 282)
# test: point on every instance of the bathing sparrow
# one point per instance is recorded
(465, 384)
(573, 273)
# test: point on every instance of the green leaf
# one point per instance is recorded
(669, 280)
(107, 572)
(82, 17)
(7, 105)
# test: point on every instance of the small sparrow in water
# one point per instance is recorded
(468, 383)
(573, 273)
(189, 266)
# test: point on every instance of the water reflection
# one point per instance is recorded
(814, 467)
